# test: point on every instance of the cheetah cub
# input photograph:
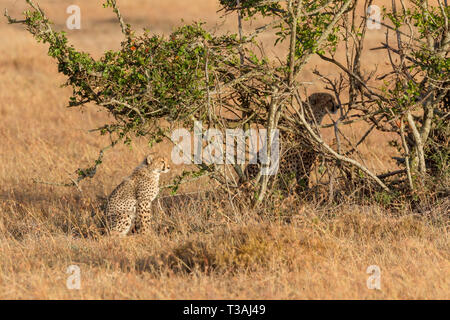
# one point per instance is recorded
(130, 202)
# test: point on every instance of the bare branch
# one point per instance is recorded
(123, 26)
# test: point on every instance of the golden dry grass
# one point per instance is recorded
(202, 248)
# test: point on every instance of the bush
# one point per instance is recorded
(183, 78)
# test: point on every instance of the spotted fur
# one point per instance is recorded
(129, 204)
(297, 154)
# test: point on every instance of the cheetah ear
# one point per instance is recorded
(148, 159)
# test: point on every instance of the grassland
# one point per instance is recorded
(203, 247)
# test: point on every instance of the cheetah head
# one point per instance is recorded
(157, 165)
(322, 103)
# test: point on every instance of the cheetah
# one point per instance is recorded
(129, 205)
(297, 154)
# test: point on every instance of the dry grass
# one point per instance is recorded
(202, 248)
(203, 252)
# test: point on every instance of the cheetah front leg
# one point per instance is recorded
(144, 216)
(303, 171)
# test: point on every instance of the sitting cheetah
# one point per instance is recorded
(297, 154)
(130, 202)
